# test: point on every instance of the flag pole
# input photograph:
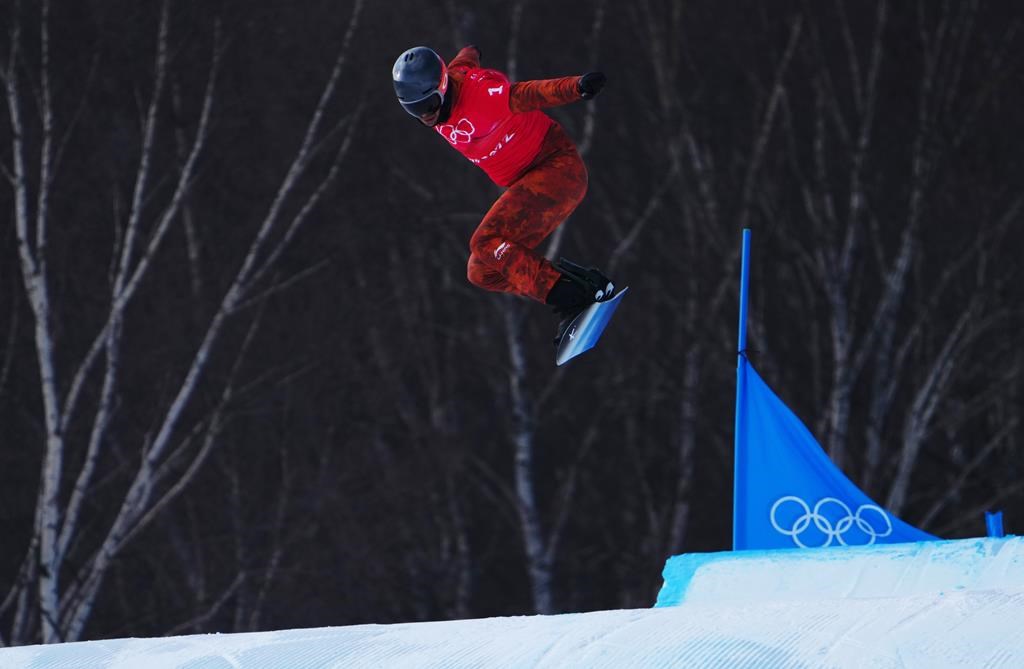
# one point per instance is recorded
(741, 347)
(744, 290)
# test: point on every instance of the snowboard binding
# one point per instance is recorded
(576, 289)
(591, 279)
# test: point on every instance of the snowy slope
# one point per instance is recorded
(961, 629)
(943, 620)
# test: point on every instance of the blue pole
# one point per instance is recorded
(994, 523)
(739, 478)
(744, 290)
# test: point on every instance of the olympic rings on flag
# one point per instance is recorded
(833, 531)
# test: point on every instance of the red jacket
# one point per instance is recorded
(497, 124)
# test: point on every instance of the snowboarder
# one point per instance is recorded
(498, 125)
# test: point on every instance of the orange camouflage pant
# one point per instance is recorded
(503, 254)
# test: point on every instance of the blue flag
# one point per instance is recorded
(788, 493)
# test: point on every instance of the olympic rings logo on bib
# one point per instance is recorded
(459, 133)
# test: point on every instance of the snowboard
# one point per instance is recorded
(586, 329)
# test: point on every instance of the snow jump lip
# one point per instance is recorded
(843, 572)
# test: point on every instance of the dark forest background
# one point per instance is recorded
(244, 383)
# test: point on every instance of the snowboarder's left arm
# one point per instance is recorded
(530, 95)
(468, 57)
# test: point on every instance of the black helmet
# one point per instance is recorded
(421, 79)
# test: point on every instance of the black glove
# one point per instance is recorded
(590, 84)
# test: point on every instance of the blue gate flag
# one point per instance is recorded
(788, 493)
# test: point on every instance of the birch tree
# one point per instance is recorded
(867, 256)
(66, 560)
(541, 531)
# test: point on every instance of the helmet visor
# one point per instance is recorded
(424, 106)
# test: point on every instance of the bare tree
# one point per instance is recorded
(65, 563)
(880, 316)
(541, 537)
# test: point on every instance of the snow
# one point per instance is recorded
(891, 570)
(949, 604)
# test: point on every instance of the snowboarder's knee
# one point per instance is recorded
(475, 272)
